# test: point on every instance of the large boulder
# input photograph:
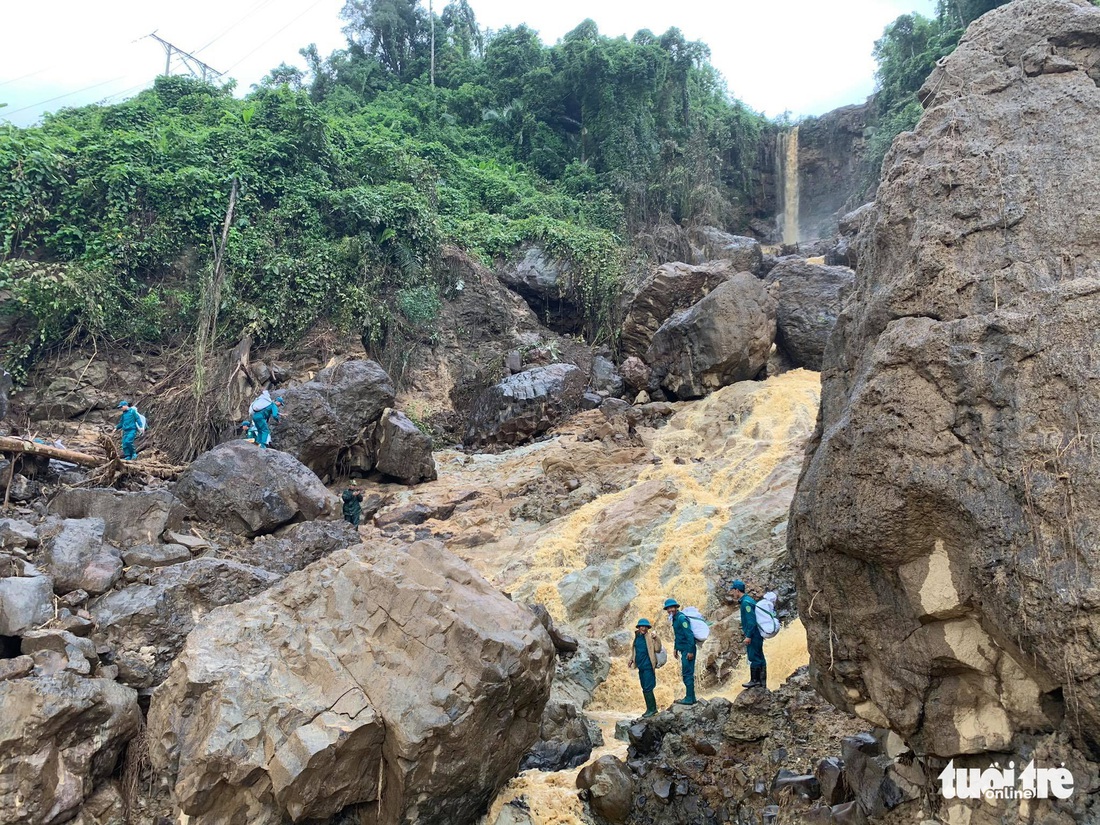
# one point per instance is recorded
(946, 528)
(145, 625)
(128, 518)
(331, 416)
(609, 788)
(77, 557)
(59, 736)
(524, 405)
(712, 244)
(722, 339)
(294, 547)
(546, 284)
(670, 288)
(809, 298)
(25, 602)
(398, 679)
(401, 450)
(253, 491)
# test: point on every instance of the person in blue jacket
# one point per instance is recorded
(262, 418)
(128, 423)
(754, 642)
(684, 647)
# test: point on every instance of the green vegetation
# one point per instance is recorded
(906, 54)
(353, 176)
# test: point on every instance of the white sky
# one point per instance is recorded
(801, 56)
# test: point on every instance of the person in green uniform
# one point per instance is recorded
(643, 655)
(128, 423)
(754, 642)
(683, 648)
(353, 503)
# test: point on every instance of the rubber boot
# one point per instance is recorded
(762, 676)
(650, 704)
(754, 678)
(690, 698)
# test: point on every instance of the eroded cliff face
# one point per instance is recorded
(947, 521)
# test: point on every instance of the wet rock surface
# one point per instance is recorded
(332, 415)
(320, 674)
(809, 298)
(947, 517)
(253, 491)
(723, 338)
(524, 405)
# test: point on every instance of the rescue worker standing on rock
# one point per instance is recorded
(754, 642)
(643, 655)
(353, 503)
(128, 423)
(261, 419)
(684, 648)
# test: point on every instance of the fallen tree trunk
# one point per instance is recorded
(110, 465)
(9, 444)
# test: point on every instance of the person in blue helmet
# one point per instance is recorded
(684, 649)
(262, 418)
(643, 655)
(128, 423)
(248, 430)
(753, 641)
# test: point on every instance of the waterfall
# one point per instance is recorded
(787, 159)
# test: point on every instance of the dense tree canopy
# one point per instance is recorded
(354, 175)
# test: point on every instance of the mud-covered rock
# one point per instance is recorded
(669, 289)
(524, 405)
(948, 516)
(809, 298)
(401, 450)
(723, 338)
(332, 415)
(371, 663)
(128, 518)
(60, 736)
(252, 491)
(609, 788)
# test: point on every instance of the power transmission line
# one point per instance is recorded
(310, 8)
(23, 76)
(198, 69)
(246, 15)
(67, 94)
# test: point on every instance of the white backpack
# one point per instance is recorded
(261, 403)
(142, 422)
(767, 622)
(699, 626)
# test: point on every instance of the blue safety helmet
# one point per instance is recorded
(644, 623)
(671, 603)
(123, 404)
(279, 400)
(738, 585)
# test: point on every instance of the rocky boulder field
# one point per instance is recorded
(903, 452)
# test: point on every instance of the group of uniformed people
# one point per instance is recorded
(647, 650)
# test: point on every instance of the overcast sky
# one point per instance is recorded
(801, 56)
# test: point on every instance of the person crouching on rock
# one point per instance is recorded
(353, 503)
(684, 649)
(754, 642)
(643, 655)
(248, 431)
(128, 423)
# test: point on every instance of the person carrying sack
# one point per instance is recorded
(754, 641)
(684, 648)
(647, 655)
